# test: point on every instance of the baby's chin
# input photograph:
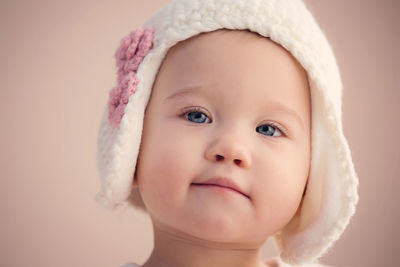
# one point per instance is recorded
(220, 232)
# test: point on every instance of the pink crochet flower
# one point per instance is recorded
(129, 55)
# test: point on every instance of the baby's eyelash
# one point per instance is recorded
(192, 109)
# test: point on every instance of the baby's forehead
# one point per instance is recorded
(223, 38)
(243, 48)
(226, 59)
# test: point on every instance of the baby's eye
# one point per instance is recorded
(269, 130)
(196, 115)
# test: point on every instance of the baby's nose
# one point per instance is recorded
(228, 150)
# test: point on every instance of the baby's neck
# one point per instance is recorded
(175, 250)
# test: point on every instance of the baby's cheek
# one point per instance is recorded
(275, 202)
(167, 172)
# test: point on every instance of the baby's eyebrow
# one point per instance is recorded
(191, 90)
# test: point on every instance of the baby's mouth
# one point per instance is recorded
(223, 184)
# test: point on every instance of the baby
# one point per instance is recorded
(225, 128)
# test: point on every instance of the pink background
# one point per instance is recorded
(57, 67)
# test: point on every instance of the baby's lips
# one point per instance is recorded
(223, 182)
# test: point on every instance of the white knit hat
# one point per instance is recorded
(331, 194)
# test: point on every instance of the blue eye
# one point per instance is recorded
(268, 130)
(196, 116)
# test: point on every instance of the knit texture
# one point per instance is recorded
(331, 194)
(129, 55)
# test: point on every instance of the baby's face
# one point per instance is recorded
(232, 105)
